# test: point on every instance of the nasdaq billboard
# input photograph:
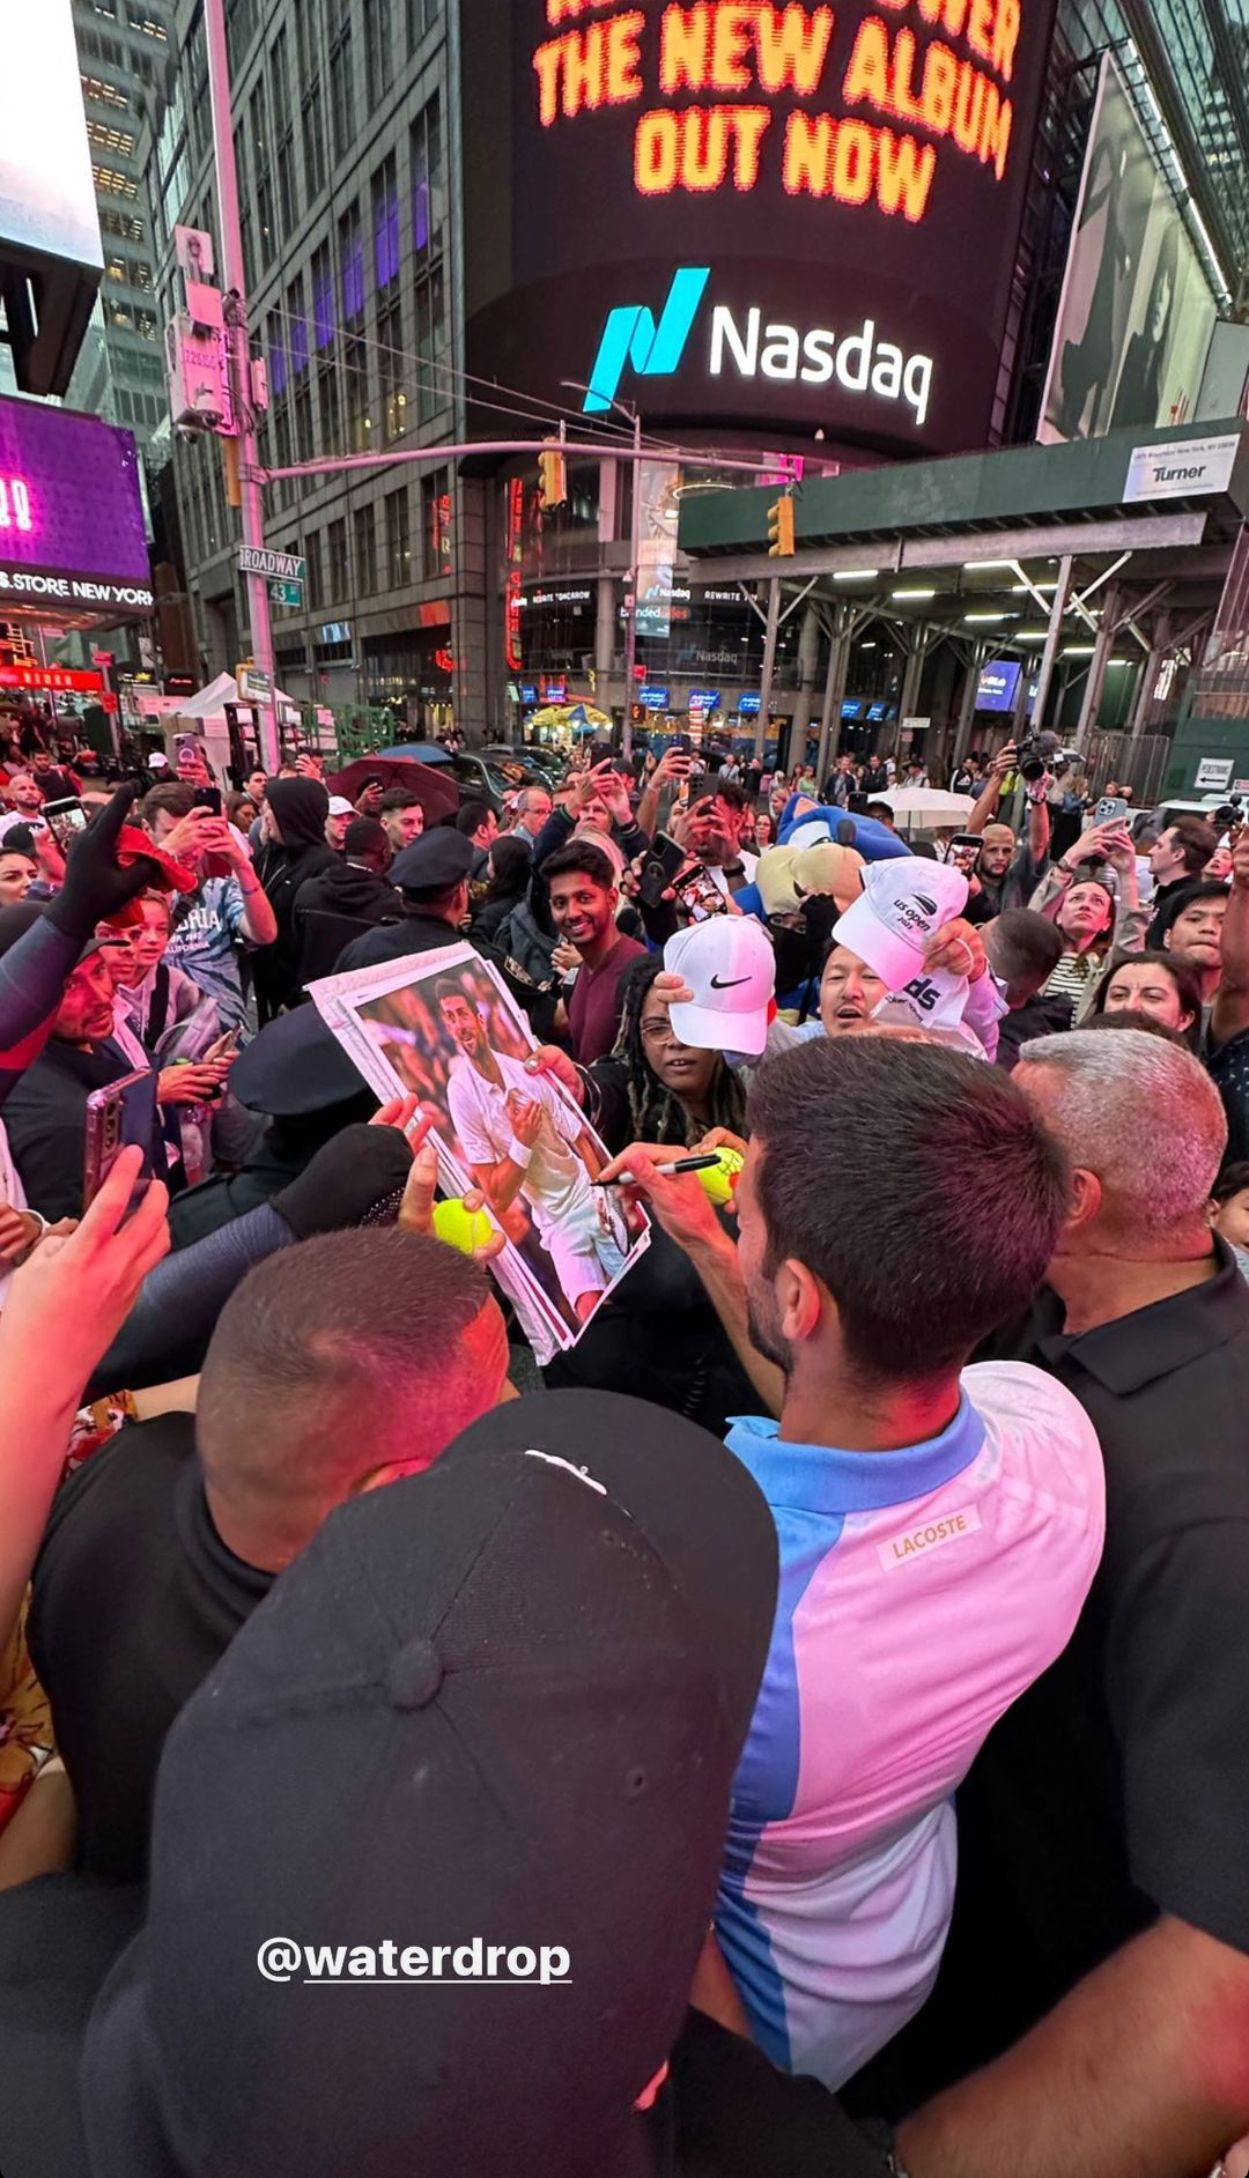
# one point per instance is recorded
(751, 215)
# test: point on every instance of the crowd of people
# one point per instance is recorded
(813, 1694)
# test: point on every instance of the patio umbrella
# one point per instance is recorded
(436, 791)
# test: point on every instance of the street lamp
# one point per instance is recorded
(633, 416)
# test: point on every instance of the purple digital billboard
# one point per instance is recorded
(71, 514)
(998, 685)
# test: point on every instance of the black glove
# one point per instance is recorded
(95, 885)
(348, 1181)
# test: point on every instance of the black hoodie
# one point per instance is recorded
(300, 808)
(349, 888)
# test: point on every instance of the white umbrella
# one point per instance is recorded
(927, 809)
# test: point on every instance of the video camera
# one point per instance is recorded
(1036, 756)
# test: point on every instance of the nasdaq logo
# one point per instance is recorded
(631, 336)
(743, 344)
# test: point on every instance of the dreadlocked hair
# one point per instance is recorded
(657, 1115)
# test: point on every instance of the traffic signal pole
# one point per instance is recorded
(233, 277)
(769, 663)
(635, 576)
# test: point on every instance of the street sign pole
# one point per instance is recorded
(234, 279)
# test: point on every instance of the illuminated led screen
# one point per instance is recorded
(998, 685)
(71, 515)
(771, 215)
(47, 194)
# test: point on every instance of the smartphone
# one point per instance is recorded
(208, 798)
(118, 1116)
(666, 858)
(65, 818)
(1112, 809)
(964, 852)
(700, 896)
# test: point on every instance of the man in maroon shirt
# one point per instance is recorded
(584, 900)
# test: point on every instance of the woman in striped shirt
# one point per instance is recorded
(1093, 913)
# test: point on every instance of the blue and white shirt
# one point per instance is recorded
(203, 944)
(921, 1592)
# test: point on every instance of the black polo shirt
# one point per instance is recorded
(135, 1598)
(1116, 1788)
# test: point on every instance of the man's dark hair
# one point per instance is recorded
(1230, 1181)
(722, 790)
(1024, 949)
(177, 800)
(1197, 841)
(333, 1358)
(881, 811)
(398, 798)
(584, 857)
(451, 987)
(1201, 888)
(470, 814)
(366, 840)
(916, 1184)
(1184, 896)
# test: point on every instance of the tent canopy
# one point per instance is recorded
(210, 703)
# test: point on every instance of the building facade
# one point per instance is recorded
(345, 136)
(124, 58)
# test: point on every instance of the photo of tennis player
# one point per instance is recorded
(443, 1027)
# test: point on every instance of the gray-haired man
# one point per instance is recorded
(1101, 1927)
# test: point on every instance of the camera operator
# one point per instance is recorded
(1009, 870)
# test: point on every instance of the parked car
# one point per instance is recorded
(491, 778)
(547, 763)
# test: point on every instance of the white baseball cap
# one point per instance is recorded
(730, 967)
(157, 761)
(902, 903)
(341, 807)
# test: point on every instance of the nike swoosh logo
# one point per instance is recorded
(717, 985)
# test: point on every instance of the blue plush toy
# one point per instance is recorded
(874, 841)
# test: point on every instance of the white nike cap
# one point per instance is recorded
(903, 902)
(730, 967)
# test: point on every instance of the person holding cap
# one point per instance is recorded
(903, 933)
(432, 876)
(668, 1078)
(940, 1525)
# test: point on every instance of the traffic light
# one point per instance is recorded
(552, 476)
(781, 529)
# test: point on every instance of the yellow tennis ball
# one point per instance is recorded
(461, 1228)
(719, 1180)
